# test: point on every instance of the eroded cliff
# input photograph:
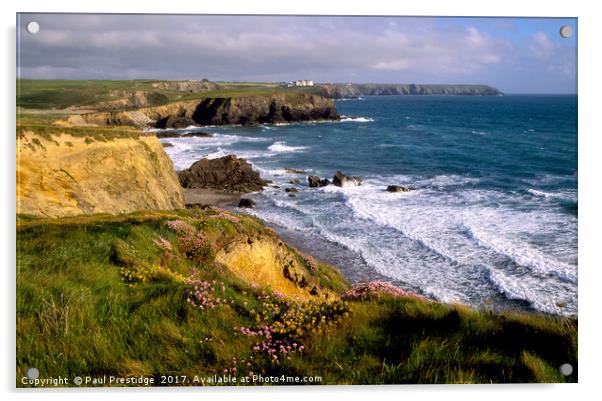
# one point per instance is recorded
(243, 110)
(63, 174)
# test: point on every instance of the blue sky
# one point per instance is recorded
(516, 55)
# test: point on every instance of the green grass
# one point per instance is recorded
(77, 315)
(60, 94)
(101, 134)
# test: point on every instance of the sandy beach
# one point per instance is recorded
(211, 197)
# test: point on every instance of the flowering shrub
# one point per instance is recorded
(220, 213)
(239, 366)
(163, 243)
(274, 347)
(310, 262)
(204, 294)
(282, 323)
(196, 247)
(227, 216)
(180, 227)
(144, 274)
(373, 289)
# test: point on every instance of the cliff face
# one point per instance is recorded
(63, 175)
(245, 110)
(264, 109)
(268, 262)
(355, 90)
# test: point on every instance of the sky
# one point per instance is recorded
(515, 55)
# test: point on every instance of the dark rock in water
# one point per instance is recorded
(315, 181)
(226, 173)
(174, 122)
(248, 203)
(292, 195)
(295, 181)
(167, 145)
(398, 188)
(186, 135)
(342, 180)
(295, 171)
(291, 190)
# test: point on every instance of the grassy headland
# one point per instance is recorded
(95, 94)
(146, 294)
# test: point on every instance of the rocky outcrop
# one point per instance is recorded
(357, 90)
(174, 122)
(132, 100)
(226, 173)
(267, 261)
(342, 180)
(264, 109)
(186, 135)
(64, 175)
(398, 188)
(316, 182)
(246, 203)
(244, 110)
(186, 86)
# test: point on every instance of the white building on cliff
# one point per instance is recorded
(302, 82)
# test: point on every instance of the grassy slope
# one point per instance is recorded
(59, 94)
(78, 312)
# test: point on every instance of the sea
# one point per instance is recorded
(491, 221)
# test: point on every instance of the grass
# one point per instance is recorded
(79, 314)
(91, 134)
(59, 94)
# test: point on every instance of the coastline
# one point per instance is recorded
(211, 197)
(178, 261)
(351, 265)
(252, 145)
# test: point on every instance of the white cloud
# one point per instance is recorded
(333, 49)
(541, 46)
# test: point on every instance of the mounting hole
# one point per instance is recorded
(566, 369)
(33, 373)
(566, 31)
(32, 27)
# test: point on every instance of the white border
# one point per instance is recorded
(590, 131)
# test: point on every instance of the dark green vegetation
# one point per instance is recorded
(115, 295)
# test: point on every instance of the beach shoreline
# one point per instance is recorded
(211, 197)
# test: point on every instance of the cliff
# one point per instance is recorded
(242, 110)
(71, 172)
(356, 90)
